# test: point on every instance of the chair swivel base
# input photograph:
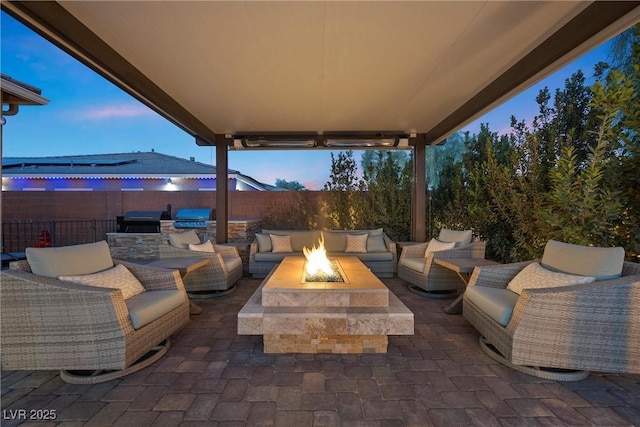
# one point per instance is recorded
(99, 376)
(539, 372)
(432, 294)
(211, 294)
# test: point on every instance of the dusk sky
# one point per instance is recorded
(89, 115)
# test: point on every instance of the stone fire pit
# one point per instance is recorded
(295, 316)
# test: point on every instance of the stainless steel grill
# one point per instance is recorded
(141, 221)
(192, 218)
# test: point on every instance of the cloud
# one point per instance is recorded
(115, 111)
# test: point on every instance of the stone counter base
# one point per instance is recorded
(339, 344)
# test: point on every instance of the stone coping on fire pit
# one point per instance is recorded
(286, 287)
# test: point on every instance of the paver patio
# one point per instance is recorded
(213, 377)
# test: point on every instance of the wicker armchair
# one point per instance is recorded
(52, 324)
(217, 277)
(435, 280)
(579, 328)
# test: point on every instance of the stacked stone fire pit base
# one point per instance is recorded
(323, 317)
(342, 344)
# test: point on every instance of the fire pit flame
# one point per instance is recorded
(317, 260)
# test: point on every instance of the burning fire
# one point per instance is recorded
(317, 261)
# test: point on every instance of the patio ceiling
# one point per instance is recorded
(228, 68)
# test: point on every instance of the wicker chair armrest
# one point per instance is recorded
(593, 314)
(577, 303)
(414, 251)
(168, 251)
(496, 276)
(43, 306)
(153, 278)
(391, 245)
(630, 268)
(253, 248)
(470, 250)
(227, 251)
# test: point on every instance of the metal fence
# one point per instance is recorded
(18, 235)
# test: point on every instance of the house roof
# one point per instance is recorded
(16, 93)
(119, 165)
(221, 68)
(138, 164)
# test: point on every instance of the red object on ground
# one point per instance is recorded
(44, 240)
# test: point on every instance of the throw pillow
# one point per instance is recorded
(118, 277)
(535, 276)
(436, 245)
(202, 247)
(182, 240)
(280, 243)
(375, 243)
(357, 243)
(264, 242)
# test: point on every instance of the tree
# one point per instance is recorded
(440, 156)
(571, 175)
(345, 205)
(381, 198)
(289, 185)
(388, 184)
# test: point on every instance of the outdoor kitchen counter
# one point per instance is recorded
(145, 245)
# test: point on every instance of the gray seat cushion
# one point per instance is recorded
(273, 256)
(148, 306)
(496, 303)
(416, 264)
(365, 256)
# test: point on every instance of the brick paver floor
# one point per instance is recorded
(213, 377)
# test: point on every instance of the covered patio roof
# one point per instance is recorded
(415, 71)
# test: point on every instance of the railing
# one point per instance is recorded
(18, 235)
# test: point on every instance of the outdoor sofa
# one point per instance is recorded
(77, 310)
(576, 309)
(377, 251)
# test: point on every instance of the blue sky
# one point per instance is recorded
(88, 115)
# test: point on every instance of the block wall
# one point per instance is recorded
(50, 205)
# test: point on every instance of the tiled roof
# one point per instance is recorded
(118, 164)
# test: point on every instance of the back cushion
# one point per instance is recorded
(459, 237)
(335, 241)
(183, 240)
(264, 242)
(601, 263)
(70, 260)
(299, 239)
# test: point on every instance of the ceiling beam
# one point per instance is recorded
(54, 23)
(593, 19)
